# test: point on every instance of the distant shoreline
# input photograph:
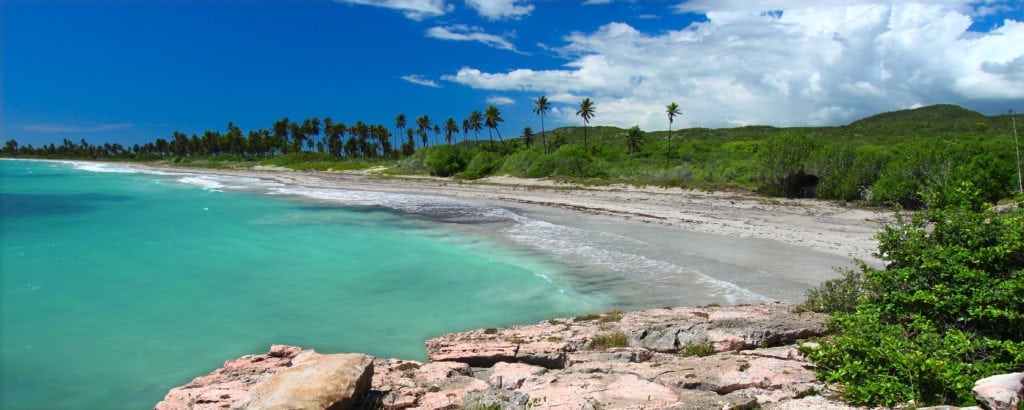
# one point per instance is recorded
(814, 224)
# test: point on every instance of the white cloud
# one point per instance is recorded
(64, 128)
(418, 79)
(805, 63)
(593, 2)
(500, 9)
(461, 32)
(413, 9)
(500, 100)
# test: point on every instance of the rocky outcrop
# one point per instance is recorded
(711, 357)
(315, 381)
(285, 377)
(1002, 392)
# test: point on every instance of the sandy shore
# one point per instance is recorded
(814, 224)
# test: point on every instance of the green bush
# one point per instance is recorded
(484, 163)
(617, 339)
(444, 160)
(947, 309)
(520, 163)
(698, 349)
(569, 161)
(783, 161)
(838, 295)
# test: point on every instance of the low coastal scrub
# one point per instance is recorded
(605, 341)
(946, 310)
(697, 349)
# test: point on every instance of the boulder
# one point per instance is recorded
(314, 381)
(1000, 392)
(230, 383)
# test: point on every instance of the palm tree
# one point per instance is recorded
(491, 118)
(527, 136)
(399, 125)
(673, 111)
(587, 112)
(437, 132)
(634, 139)
(450, 127)
(465, 129)
(476, 124)
(541, 108)
(423, 124)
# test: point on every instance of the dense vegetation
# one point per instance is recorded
(887, 159)
(947, 310)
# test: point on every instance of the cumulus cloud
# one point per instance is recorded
(413, 9)
(64, 128)
(420, 80)
(500, 9)
(780, 62)
(500, 100)
(461, 32)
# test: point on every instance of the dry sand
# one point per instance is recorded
(814, 224)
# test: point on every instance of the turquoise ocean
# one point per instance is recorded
(119, 283)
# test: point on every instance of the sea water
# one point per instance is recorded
(119, 283)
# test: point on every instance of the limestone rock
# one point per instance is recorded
(512, 375)
(314, 381)
(1000, 392)
(473, 353)
(230, 383)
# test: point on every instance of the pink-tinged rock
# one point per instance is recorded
(512, 375)
(283, 351)
(314, 381)
(474, 353)
(810, 402)
(765, 373)
(550, 355)
(451, 394)
(575, 391)
(432, 373)
(1000, 392)
(224, 386)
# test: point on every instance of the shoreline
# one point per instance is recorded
(808, 223)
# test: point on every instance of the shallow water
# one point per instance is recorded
(119, 284)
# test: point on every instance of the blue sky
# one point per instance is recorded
(133, 71)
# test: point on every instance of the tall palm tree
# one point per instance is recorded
(476, 120)
(465, 129)
(527, 136)
(587, 112)
(328, 123)
(399, 125)
(541, 108)
(491, 118)
(673, 111)
(423, 124)
(450, 127)
(437, 132)
(634, 140)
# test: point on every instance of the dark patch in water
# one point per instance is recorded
(28, 205)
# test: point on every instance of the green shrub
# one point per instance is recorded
(520, 163)
(483, 164)
(783, 161)
(444, 160)
(697, 349)
(611, 317)
(617, 339)
(837, 295)
(569, 161)
(946, 311)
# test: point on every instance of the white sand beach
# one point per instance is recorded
(634, 247)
